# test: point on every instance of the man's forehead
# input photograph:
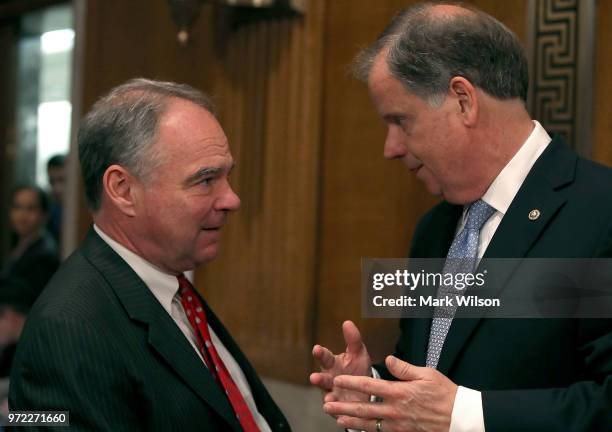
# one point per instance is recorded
(180, 112)
(189, 127)
(384, 88)
(210, 150)
(380, 68)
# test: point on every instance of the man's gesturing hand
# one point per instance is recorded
(354, 361)
(422, 400)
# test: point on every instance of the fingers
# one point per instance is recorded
(362, 410)
(346, 422)
(324, 356)
(329, 397)
(322, 380)
(365, 385)
(405, 371)
(352, 337)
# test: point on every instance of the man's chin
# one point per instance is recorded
(460, 198)
(434, 188)
(207, 254)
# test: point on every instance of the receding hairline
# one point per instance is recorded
(163, 99)
(448, 10)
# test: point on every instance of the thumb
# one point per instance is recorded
(403, 370)
(352, 337)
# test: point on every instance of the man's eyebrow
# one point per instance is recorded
(201, 173)
(205, 172)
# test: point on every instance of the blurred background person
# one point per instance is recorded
(56, 174)
(34, 255)
(16, 298)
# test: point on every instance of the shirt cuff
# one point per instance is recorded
(467, 415)
(375, 373)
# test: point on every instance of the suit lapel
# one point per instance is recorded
(542, 190)
(164, 336)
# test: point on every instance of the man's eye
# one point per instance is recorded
(396, 120)
(207, 181)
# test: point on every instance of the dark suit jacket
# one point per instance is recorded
(98, 344)
(534, 374)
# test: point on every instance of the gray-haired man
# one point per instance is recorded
(120, 338)
(451, 83)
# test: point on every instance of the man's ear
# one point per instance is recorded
(120, 187)
(464, 93)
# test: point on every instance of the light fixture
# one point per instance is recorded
(185, 12)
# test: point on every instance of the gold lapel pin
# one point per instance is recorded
(534, 214)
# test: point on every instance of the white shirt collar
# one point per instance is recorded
(508, 182)
(164, 286)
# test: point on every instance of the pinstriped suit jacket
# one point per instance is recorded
(98, 344)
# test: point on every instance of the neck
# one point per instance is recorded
(116, 229)
(126, 233)
(506, 128)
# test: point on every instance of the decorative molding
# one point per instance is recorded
(561, 38)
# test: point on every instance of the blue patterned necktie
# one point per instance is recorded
(462, 257)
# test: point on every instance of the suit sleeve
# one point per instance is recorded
(583, 406)
(71, 366)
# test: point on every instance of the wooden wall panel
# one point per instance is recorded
(512, 13)
(369, 206)
(262, 283)
(602, 124)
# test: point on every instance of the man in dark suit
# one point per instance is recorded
(451, 84)
(120, 339)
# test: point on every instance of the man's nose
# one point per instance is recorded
(229, 200)
(395, 146)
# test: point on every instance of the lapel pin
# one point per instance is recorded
(534, 214)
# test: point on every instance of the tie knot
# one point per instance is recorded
(184, 284)
(478, 213)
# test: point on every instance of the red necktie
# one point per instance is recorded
(197, 318)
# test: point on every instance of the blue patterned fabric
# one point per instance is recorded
(461, 258)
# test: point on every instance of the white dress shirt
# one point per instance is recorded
(467, 415)
(165, 289)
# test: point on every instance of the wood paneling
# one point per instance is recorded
(512, 13)
(369, 206)
(602, 134)
(262, 284)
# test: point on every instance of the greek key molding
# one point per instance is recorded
(560, 49)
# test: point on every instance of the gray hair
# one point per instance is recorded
(425, 50)
(121, 128)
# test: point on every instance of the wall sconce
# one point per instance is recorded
(185, 12)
